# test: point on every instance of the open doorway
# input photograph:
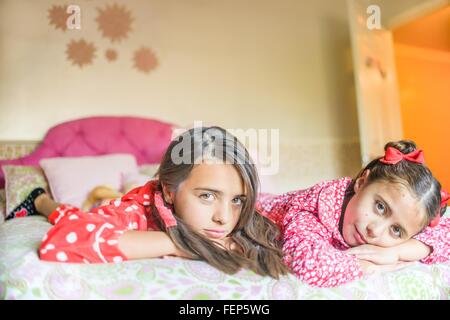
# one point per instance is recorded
(422, 59)
(402, 77)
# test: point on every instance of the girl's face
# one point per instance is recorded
(210, 199)
(381, 213)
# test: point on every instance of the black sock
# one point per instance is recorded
(26, 208)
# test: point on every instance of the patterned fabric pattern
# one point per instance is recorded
(2, 205)
(16, 149)
(21, 180)
(24, 276)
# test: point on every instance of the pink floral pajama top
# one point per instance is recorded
(314, 248)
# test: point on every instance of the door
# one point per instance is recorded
(375, 82)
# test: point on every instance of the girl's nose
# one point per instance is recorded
(375, 229)
(222, 214)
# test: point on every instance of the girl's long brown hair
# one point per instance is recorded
(256, 236)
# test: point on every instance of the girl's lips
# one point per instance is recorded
(359, 237)
(215, 234)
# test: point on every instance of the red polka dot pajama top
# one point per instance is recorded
(91, 237)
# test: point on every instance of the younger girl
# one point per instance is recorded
(388, 215)
(201, 207)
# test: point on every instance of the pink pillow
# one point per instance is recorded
(72, 178)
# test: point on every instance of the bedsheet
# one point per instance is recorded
(24, 276)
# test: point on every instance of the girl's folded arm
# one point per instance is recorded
(438, 240)
(412, 250)
(146, 244)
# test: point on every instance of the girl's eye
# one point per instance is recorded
(207, 196)
(397, 231)
(237, 201)
(380, 207)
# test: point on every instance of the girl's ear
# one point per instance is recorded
(361, 181)
(167, 194)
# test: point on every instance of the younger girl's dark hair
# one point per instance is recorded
(256, 236)
(417, 177)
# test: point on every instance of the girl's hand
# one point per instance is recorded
(371, 268)
(375, 254)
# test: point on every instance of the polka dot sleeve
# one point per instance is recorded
(438, 238)
(92, 237)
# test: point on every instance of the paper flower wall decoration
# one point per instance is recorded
(80, 52)
(114, 22)
(145, 60)
(58, 17)
(111, 55)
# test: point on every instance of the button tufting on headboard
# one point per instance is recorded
(145, 138)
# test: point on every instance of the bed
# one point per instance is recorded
(24, 276)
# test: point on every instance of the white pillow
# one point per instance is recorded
(72, 178)
(145, 174)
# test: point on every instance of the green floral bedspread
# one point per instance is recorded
(24, 276)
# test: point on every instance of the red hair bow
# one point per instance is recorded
(394, 156)
(435, 221)
(444, 198)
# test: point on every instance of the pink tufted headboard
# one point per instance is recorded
(147, 139)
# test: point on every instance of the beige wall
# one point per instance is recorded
(239, 64)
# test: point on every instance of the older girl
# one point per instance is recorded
(202, 206)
